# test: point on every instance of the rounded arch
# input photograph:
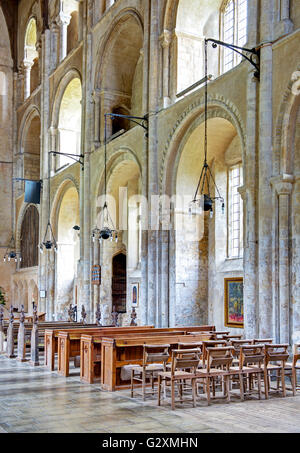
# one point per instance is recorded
(57, 197)
(170, 15)
(112, 32)
(29, 237)
(192, 117)
(285, 129)
(73, 73)
(30, 113)
(21, 215)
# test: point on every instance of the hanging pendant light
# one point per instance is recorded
(49, 241)
(107, 230)
(11, 253)
(203, 192)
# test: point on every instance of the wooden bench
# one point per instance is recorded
(68, 343)
(90, 350)
(119, 352)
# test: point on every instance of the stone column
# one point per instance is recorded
(96, 288)
(266, 322)
(153, 184)
(54, 45)
(295, 271)
(96, 98)
(284, 25)
(165, 41)
(63, 21)
(283, 190)
(27, 65)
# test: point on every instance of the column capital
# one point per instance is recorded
(63, 19)
(165, 38)
(283, 184)
(243, 192)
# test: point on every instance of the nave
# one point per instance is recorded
(34, 400)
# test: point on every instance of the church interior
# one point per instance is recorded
(149, 216)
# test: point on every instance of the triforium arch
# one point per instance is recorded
(118, 78)
(199, 245)
(65, 129)
(30, 144)
(64, 216)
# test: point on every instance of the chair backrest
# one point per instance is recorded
(296, 354)
(155, 354)
(276, 353)
(232, 337)
(251, 354)
(183, 359)
(219, 357)
(191, 346)
(237, 345)
(262, 341)
(212, 344)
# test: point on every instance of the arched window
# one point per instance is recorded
(31, 63)
(234, 15)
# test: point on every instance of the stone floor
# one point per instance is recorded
(33, 400)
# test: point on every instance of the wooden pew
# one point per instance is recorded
(90, 349)
(68, 343)
(118, 352)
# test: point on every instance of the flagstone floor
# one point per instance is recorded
(34, 400)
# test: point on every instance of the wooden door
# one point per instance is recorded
(119, 283)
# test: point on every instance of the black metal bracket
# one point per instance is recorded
(140, 121)
(78, 158)
(243, 52)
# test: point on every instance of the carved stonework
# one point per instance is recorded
(21, 337)
(115, 316)
(133, 318)
(83, 315)
(10, 335)
(98, 315)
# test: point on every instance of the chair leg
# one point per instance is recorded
(241, 376)
(259, 385)
(283, 382)
(208, 390)
(194, 391)
(227, 388)
(132, 374)
(144, 385)
(294, 381)
(173, 394)
(266, 381)
(159, 390)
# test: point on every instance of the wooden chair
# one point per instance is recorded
(276, 356)
(251, 361)
(155, 358)
(229, 338)
(296, 365)
(237, 347)
(211, 344)
(262, 341)
(218, 364)
(182, 359)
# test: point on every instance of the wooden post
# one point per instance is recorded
(2, 336)
(34, 361)
(133, 318)
(10, 336)
(98, 315)
(21, 338)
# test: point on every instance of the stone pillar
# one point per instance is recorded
(63, 21)
(27, 65)
(10, 349)
(21, 338)
(284, 25)
(266, 322)
(96, 254)
(165, 41)
(54, 45)
(153, 184)
(34, 342)
(295, 272)
(96, 97)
